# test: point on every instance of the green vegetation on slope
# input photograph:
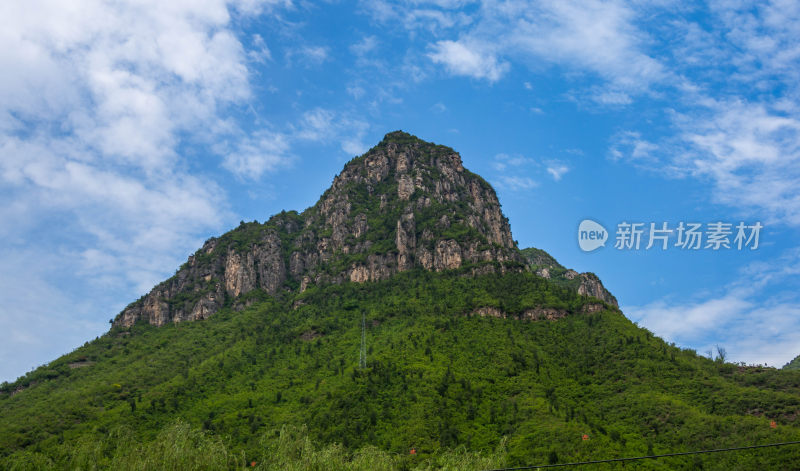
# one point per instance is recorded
(438, 379)
(181, 447)
(538, 258)
(793, 365)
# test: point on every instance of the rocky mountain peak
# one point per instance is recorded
(405, 204)
(586, 284)
(419, 182)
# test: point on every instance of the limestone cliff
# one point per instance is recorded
(586, 284)
(404, 204)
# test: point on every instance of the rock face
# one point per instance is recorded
(405, 204)
(591, 285)
(534, 314)
(586, 284)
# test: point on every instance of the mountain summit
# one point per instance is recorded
(406, 203)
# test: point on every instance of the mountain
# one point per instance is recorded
(406, 203)
(478, 354)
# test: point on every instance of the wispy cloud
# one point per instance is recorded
(632, 147)
(259, 52)
(503, 161)
(366, 45)
(254, 155)
(308, 56)
(734, 126)
(472, 60)
(516, 183)
(752, 327)
(97, 104)
(601, 37)
(556, 169)
(593, 36)
(760, 41)
(515, 171)
(431, 16)
(131, 79)
(750, 153)
(321, 124)
(249, 157)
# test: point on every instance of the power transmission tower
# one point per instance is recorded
(362, 356)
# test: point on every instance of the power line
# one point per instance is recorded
(617, 460)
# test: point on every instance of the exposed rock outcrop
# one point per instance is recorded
(586, 284)
(534, 314)
(489, 312)
(406, 203)
(590, 285)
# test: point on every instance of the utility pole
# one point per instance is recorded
(362, 357)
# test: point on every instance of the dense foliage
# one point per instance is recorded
(487, 391)
(793, 365)
(539, 258)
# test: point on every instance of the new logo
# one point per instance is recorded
(591, 235)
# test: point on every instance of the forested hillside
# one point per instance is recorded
(439, 377)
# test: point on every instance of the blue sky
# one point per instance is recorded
(132, 131)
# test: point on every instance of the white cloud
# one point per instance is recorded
(356, 91)
(738, 130)
(468, 59)
(97, 101)
(760, 40)
(611, 97)
(588, 34)
(557, 169)
(365, 46)
(264, 151)
(259, 52)
(309, 56)
(735, 127)
(515, 164)
(598, 37)
(747, 153)
(354, 145)
(317, 124)
(751, 155)
(516, 183)
(255, 155)
(632, 147)
(752, 327)
(439, 107)
(142, 222)
(322, 124)
(503, 161)
(431, 16)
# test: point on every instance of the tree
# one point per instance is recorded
(722, 355)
